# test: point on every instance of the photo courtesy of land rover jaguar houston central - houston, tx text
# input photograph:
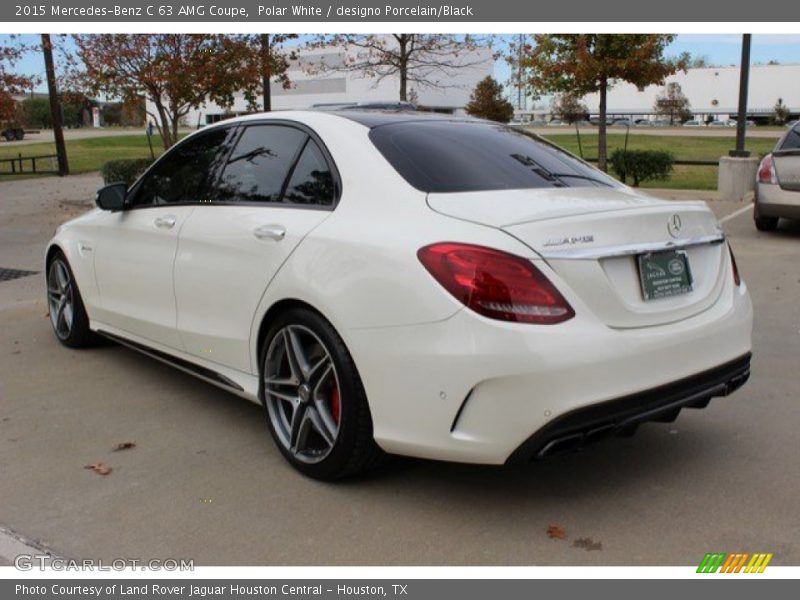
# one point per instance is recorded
(390, 282)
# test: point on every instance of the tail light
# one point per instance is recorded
(736, 277)
(766, 170)
(495, 284)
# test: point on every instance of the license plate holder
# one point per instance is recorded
(664, 274)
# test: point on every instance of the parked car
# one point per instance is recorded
(408, 283)
(722, 123)
(622, 123)
(555, 123)
(694, 123)
(643, 123)
(778, 183)
(13, 133)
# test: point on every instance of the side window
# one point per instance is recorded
(181, 175)
(312, 181)
(260, 163)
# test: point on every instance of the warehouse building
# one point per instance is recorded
(313, 85)
(713, 93)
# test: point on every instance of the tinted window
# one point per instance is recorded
(449, 156)
(312, 180)
(260, 163)
(791, 141)
(182, 174)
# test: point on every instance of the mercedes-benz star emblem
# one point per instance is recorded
(674, 225)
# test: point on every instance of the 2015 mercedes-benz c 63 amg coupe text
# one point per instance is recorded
(402, 283)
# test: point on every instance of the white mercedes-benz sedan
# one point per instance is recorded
(405, 283)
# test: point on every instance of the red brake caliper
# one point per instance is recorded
(336, 406)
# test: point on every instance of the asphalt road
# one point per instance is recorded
(205, 481)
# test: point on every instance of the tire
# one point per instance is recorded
(65, 305)
(764, 223)
(315, 404)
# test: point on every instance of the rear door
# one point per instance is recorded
(277, 185)
(787, 161)
(135, 248)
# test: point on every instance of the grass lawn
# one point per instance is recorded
(684, 147)
(84, 155)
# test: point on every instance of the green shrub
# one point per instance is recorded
(116, 171)
(641, 165)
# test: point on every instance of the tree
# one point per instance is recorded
(487, 102)
(672, 103)
(424, 59)
(11, 83)
(780, 113)
(592, 63)
(569, 108)
(176, 72)
(700, 62)
(273, 64)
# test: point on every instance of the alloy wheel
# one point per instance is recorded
(302, 394)
(60, 297)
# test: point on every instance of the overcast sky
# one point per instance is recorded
(719, 49)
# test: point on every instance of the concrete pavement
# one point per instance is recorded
(205, 481)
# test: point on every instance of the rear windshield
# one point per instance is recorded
(791, 140)
(458, 156)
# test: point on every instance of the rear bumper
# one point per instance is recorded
(469, 389)
(621, 416)
(773, 201)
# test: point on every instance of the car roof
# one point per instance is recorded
(367, 117)
(378, 117)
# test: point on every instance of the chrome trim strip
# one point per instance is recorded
(630, 249)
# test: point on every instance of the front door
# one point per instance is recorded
(135, 248)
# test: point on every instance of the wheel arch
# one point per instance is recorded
(273, 311)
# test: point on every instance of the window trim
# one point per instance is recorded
(133, 190)
(312, 135)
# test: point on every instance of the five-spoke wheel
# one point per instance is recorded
(302, 393)
(60, 298)
(65, 305)
(315, 402)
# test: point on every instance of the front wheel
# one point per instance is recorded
(65, 305)
(315, 402)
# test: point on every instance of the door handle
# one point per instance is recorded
(270, 232)
(167, 222)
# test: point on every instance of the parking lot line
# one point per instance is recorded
(735, 214)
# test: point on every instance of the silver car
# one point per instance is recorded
(778, 182)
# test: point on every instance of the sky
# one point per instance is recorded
(718, 49)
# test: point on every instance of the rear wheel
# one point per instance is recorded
(65, 305)
(765, 223)
(315, 402)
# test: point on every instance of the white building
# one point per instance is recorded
(712, 91)
(311, 85)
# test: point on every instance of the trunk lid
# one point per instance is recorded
(592, 238)
(787, 169)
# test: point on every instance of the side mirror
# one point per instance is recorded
(112, 197)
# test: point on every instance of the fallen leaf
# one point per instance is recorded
(99, 468)
(556, 532)
(587, 544)
(123, 446)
